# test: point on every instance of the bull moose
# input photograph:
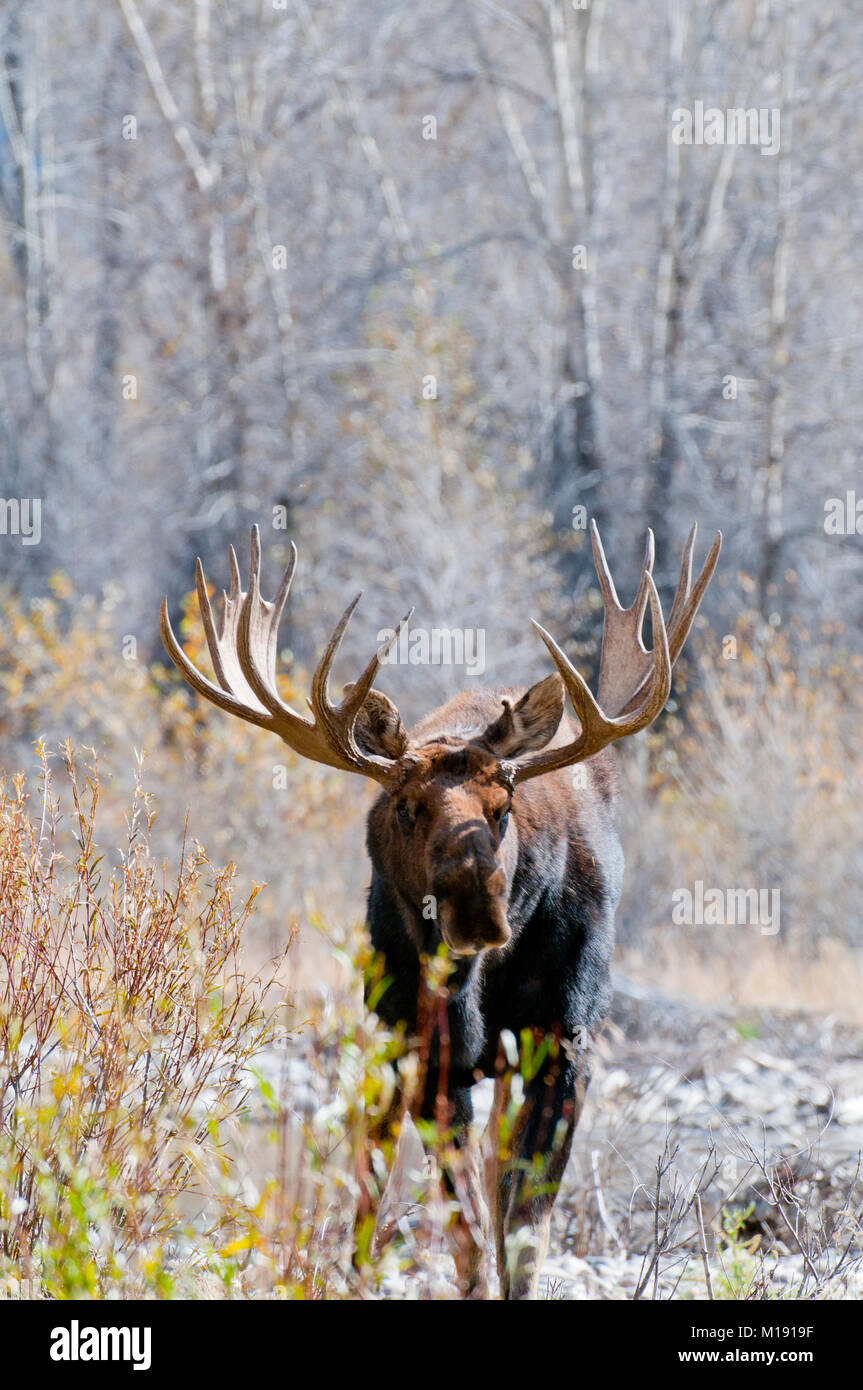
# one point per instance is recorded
(481, 815)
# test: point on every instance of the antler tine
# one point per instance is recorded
(660, 687)
(257, 633)
(352, 701)
(624, 656)
(213, 637)
(687, 599)
(684, 581)
(584, 704)
(337, 721)
(641, 597)
(244, 652)
(688, 596)
(269, 630)
(236, 583)
(597, 728)
(222, 645)
(216, 695)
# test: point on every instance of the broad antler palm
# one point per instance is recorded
(634, 683)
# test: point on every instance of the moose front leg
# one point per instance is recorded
(376, 1149)
(471, 1225)
(459, 1166)
(530, 1175)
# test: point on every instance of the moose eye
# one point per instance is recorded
(404, 815)
(501, 816)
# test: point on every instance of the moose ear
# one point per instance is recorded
(379, 729)
(527, 723)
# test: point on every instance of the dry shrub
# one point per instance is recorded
(126, 1023)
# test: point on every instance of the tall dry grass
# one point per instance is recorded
(755, 782)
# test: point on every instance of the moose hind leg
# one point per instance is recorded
(530, 1178)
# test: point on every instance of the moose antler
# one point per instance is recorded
(243, 653)
(634, 683)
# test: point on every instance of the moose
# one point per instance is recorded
(497, 813)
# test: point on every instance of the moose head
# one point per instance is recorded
(443, 828)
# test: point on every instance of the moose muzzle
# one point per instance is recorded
(471, 905)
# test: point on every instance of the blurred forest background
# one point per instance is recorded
(412, 285)
(409, 284)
